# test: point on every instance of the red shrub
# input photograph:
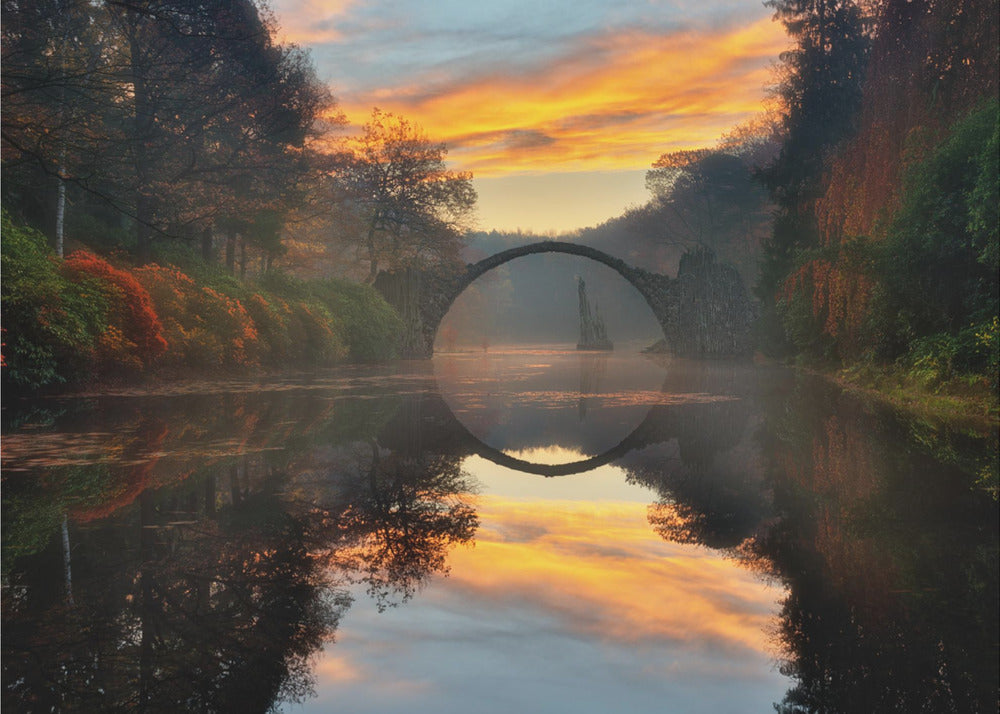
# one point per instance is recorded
(133, 323)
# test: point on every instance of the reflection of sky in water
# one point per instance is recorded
(585, 402)
(568, 601)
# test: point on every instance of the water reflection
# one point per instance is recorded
(584, 402)
(197, 551)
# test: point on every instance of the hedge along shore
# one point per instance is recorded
(88, 319)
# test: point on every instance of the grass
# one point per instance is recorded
(967, 401)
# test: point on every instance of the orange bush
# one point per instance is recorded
(133, 336)
(205, 328)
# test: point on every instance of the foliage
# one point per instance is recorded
(820, 92)
(885, 248)
(367, 326)
(82, 317)
(937, 267)
(370, 326)
(51, 324)
(413, 208)
(931, 63)
(824, 304)
(711, 199)
(169, 114)
(133, 336)
(926, 294)
(205, 328)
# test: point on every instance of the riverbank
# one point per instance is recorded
(963, 402)
(89, 319)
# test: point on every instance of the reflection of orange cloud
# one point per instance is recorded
(603, 572)
(615, 103)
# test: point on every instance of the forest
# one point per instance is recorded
(179, 192)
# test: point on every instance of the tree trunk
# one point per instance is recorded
(231, 251)
(61, 204)
(67, 561)
(372, 256)
(207, 254)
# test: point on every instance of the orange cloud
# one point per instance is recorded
(615, 102)
(601, 571)
(312, 21)
(335, 668)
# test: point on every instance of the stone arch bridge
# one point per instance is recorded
(704, 312)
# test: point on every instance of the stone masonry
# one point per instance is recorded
(704, 312)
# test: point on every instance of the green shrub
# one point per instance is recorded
(272, 317)
(363, 320)
(934, 359)
(371, 326)
(315, 332)
(50, 323)
(939, 267)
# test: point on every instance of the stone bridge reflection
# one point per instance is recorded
(426, 423)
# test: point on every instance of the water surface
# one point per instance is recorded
(530, 530)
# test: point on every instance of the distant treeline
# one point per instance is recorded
(885, 242)
(74, 320)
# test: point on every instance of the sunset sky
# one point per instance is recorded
(557, 107)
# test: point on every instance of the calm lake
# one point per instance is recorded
(532, 530)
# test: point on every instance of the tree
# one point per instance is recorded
(54, 71)
(711, 199)
(172, 112)
(820, 95)
(414, 210)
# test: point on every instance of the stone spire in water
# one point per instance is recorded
(593, 335)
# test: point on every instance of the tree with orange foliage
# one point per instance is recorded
(414, 208)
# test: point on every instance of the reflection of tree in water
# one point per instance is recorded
(702, 469)
(888, 553)
(891, 560)
(402, 521)
(213, 592)
(200, 610)
(209, 589)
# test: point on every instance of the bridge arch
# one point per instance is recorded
(635, 440)
(704, 312)
(649, 285)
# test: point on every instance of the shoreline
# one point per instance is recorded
(948, 405)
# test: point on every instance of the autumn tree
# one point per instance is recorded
(54, 74)
(413, 209)
(820, 93)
